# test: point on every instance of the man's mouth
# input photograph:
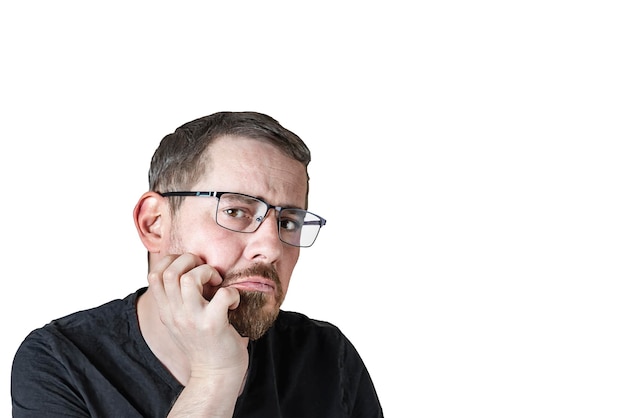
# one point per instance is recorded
(253, 284)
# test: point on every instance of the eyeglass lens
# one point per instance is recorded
(244, 214)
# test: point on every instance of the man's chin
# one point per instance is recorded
(255, 314)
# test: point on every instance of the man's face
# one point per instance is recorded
(258, 264)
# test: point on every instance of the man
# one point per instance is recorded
(223, 223)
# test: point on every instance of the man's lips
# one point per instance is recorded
(254, 284)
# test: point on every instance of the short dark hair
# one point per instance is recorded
(175, 164)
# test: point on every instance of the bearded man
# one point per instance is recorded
(223, 223)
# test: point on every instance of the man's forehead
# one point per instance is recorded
(254, 167)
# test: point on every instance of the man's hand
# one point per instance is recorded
(217, 354)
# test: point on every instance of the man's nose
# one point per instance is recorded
(265, 242)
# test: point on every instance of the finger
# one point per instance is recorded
(172, 274)
(155, 279)
(196, 283)
(225, 299)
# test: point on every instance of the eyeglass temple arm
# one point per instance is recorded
(210, 194)
(321, 222)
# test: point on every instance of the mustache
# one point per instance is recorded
(264, 270)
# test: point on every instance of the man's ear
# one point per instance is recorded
(148, 216)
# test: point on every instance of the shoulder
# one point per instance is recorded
(81, 327)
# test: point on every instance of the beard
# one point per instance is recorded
(256, 312)
(250, 319)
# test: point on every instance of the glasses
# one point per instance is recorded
(242, 213)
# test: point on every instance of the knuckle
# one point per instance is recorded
(169, 276)
(187, 280)
(153, 277)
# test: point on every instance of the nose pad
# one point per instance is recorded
(260, 218)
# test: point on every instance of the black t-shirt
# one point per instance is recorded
(95, 363)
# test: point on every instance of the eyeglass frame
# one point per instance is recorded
(278, 209)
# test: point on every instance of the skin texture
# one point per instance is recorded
(189, 255)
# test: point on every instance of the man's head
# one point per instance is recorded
(247, 168)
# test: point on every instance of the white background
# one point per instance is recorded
(468, 156)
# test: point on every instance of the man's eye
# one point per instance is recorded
(237, 212)
(290, 224)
